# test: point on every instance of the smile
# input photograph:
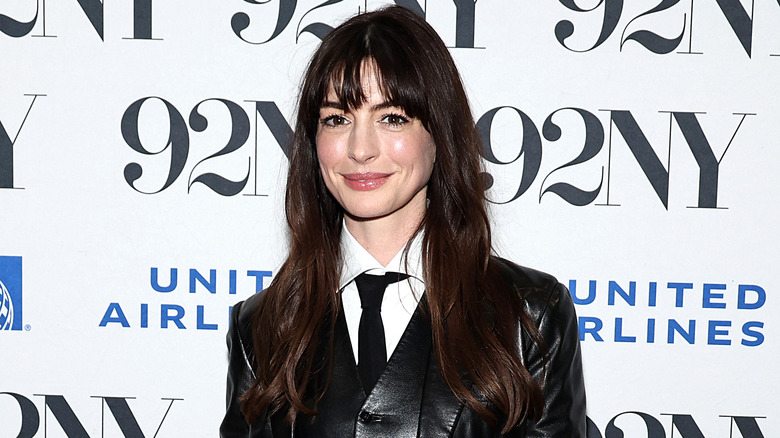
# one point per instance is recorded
(365, 181)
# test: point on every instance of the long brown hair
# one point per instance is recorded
(473, 310)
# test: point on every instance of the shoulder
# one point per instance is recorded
(541, 293)
(244, 311)
(522, 276)
(552, 355)
(241, 364)
(242, 322)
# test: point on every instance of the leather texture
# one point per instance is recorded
(411, 398)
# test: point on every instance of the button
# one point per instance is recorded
(366, 417)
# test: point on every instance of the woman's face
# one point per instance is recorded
(375, 159)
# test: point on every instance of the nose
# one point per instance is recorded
(363, 144)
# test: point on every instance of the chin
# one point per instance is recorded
(361, 207)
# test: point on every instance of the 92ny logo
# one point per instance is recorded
(648, 25)
(243, 23)
(596, 144)
(658, 26)
(7, 143)
(628, 423)
(72, 425)
(93, 10)
(464, 14)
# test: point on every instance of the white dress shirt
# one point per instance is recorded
(400, 298)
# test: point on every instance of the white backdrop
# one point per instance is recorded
(647, 183)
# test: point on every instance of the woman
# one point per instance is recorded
(385, 177)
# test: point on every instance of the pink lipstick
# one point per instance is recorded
(365, 181)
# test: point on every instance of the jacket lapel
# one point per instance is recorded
(410, 399)
(341, 402)
(393, 407)
(440, 408)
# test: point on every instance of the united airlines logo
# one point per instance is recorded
(10, 293)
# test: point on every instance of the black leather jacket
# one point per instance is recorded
(411, 398)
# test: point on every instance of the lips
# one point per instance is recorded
(365, 181)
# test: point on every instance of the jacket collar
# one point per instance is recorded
(357, 260)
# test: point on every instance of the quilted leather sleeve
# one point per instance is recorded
(561, 376)
(240, 374)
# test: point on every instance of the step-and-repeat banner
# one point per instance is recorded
(632, 147)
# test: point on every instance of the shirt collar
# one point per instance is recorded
(358, 260)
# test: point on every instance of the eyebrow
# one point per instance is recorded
(339, 106)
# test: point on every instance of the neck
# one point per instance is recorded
(384, 237)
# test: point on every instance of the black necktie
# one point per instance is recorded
(372, 353)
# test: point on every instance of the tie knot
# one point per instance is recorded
(372, 288)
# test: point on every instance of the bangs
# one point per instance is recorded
(382, 54)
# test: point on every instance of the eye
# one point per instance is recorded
(334, 120)
(394, 119)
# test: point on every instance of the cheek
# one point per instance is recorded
(427, 154)
(327, 152)
(417, 150)
(326, 163)
(431, 151)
